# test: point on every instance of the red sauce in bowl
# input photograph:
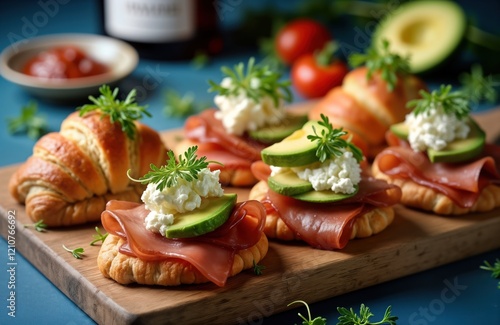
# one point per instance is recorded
(64, 62)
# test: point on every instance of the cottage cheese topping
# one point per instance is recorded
(185, 196)
(434, 129)
(240, 113)
(339, 175)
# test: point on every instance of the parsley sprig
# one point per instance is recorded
(187, 168)
(77, 252)
(495, 269)
(478, 87)
(349, 316)
(99, 237)
(331, 142)
(258, 268)
(39, 226)
(256, 81)
(124, 112)
(389, 64)
(452, 102)
(28, 121)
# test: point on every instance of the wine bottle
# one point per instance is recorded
(163, 29)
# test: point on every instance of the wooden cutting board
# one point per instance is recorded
(415, 241)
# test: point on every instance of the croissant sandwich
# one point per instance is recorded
(367, 103)
(74, 172)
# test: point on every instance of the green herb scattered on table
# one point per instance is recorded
(349, 316)
(331, 142)
(494, 269)
(99, 237)
(77, 252)
(38, 226)
(256, 81)
(124, 112)
(478, 87)
(451, 102)
(179, 106)
(309, 321)
(390, 65)
(28, 122)
(257, 268)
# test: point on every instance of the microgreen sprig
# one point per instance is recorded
(495, 269)
(99, 237)
(389, 64)
(39, 226)
(349, 316)
(124, 112)
(256, 81)
(451, 102)
(77, 252)
(28, 121)
(309, 321)
(187, 168)
(257, 268)
(478, 87)
(331, 141)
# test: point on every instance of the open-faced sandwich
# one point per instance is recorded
(439, 157)
(315, 189)
(187, 230)
(372, 97)
(251, 115)
(74, 172)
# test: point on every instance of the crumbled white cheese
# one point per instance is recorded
(240, 113)
(434, 129)
(339, 175)
(185, 196)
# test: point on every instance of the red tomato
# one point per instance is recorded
(299, 37)
(313, 80)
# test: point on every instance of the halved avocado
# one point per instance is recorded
(294, 150)
(428, 31)
(289, 184)
(456, 151)
(213, 214)
(275, 133)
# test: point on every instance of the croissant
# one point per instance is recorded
(74, 172)
(366, 107)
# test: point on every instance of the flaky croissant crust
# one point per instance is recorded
(125, 269)
(367, 225)
(74, 172)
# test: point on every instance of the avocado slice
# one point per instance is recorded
(430, 32)
(456, 151)
(211, 215)
(275, 133)
(289, 184)
(323, 196)
(294, 150)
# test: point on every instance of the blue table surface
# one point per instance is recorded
(457, 293)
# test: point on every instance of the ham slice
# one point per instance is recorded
(329, 225)
(212, 254)
(462, 182)
(205, 128)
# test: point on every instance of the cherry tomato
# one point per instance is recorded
(313, 80)
(299, 37)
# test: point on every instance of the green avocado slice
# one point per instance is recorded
(211, 215)
(274, 133)
(323, 196)
(289, 184)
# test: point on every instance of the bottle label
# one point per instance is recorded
(150, 21)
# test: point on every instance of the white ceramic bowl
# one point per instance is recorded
(118, 56)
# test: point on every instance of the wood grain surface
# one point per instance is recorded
(415, 241)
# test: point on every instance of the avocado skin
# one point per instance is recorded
(274, 133)
(205, 219)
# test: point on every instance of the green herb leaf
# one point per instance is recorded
(124, 112)
(495, 269)
(390, 65)
(331, 142)
(309, 321)
(167, 175)
(258, 269)
(99, 237)
(451, 102)
(349, 316)
(478, 87)
(200, 60)
(256, 81)
(77, 252)
(28, 122)
(179, 106)
(39, 226)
